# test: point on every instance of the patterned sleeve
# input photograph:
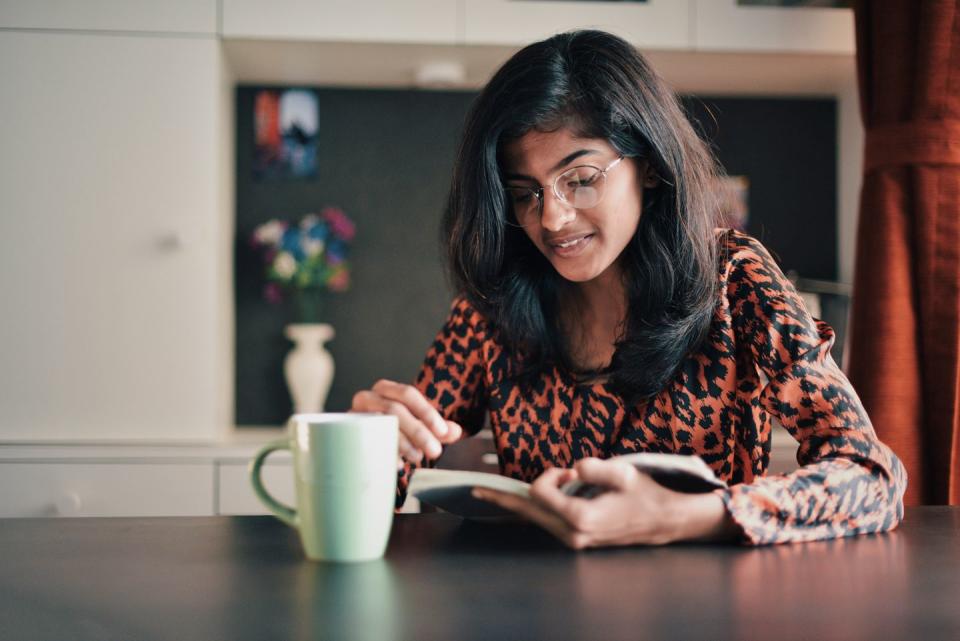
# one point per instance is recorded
(849, 482)
(452, 375)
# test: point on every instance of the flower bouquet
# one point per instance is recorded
(306, 259)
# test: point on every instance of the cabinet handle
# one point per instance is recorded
(68, 504)
(171, 241)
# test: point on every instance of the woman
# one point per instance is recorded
(600, 313)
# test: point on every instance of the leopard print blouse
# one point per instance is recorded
(765, 357)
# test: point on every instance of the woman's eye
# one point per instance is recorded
(520, 196)
(581, 180)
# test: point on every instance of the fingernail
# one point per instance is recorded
(441, 428)
(435, 449)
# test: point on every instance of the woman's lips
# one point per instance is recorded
(571, 246)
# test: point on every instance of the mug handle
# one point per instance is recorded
(283, 512)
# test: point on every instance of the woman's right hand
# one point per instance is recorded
(423, 432)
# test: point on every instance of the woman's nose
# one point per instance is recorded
(556, 214)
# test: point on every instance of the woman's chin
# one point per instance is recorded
(577, 275)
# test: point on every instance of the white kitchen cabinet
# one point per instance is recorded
(114, 258)
(169, 16)
(725, 25)
(657, 24)
(704, 25)
(420, 21)
(105, 489)
(39, 480)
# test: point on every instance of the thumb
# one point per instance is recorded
(615, 475)
(454, 433)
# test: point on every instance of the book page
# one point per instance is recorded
(449, 490)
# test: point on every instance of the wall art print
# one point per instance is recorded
(285, 134)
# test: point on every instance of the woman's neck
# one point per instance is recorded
(604, 298)
(596, 312)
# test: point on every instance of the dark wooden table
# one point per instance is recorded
(227, 578)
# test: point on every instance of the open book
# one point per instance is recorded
(449, 490)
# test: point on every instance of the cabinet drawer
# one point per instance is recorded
(105, 489)
(176, 16)
(654, 25)
(412, 21)
(236, 495)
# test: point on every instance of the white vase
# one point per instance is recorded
(308, 367)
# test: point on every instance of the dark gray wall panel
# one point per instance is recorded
(385, 158)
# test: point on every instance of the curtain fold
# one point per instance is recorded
(905, 324)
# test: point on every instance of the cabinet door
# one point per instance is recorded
(727, 25)
(179, 16)
(110, 265)
(658, 24)
(426, 21)
(106, 489)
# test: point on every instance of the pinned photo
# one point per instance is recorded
(285, 134)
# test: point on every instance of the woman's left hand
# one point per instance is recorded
(634, 509)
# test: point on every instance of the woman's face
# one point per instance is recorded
(581, 244)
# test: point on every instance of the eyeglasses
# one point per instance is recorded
(580, 187)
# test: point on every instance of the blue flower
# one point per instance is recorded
(319, 232)
(336, 252)
(291, 243)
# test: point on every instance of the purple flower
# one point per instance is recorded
(273, 293)
(340, 225)
(336, 253)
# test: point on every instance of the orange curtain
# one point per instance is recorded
(905, 327)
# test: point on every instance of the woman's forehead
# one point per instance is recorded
(540, 151)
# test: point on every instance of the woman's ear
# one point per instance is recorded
(650, 177)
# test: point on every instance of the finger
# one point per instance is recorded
(408, 451)
(615, 475)
(416, 403)
(580, 514)
(546, 491)
(418, 436)
(361, 401)
(527, 509)
(454, 434)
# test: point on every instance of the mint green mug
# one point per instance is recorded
(345, 473)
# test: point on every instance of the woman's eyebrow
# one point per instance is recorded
(569, 158)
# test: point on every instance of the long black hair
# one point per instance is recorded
(601, 87)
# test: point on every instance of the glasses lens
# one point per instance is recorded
(581, 187)
(524, 203)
